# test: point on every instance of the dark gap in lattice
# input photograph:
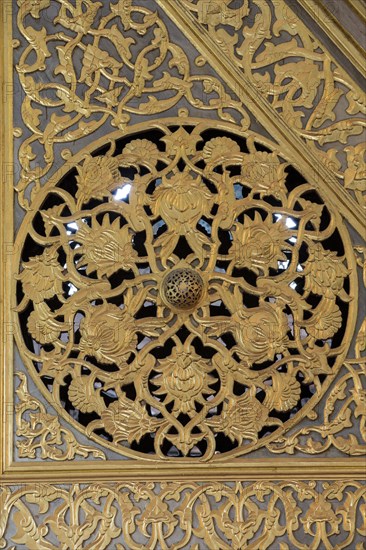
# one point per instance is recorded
(247, 274)
(202, 350)
(211, 186)
(225, 238)
(129, 390)
(181, 165)
(214, 209)
(182, 250)
(138, 243)
(219, 309)
(294, 178)
(228, 339)
(183, 333)
(224, 443)
(272, 200)
(249, 300)
(47, 381)
(239, 389)
(204, 225)
(162, 351)
(146, 311)
(106, 367)
(145, 445)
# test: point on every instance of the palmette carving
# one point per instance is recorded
(342, 420)
(201, 294)
(128, 66)
(295, 73)
(265, 514)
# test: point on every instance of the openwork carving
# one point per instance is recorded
(342, 422)
(283, 515)
(100, 62)
(184, 293)
(297, 76)
(41, 434)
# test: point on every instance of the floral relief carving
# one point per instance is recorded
(41, 434)
(285, 515)
(196, 309)
(297, 76)
(128, 66)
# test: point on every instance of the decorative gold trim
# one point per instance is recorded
(6, 236)
(40, 431)
(261, 514)
(359, 8)
(243, 469)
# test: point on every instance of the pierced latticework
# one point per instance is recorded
(183, 292)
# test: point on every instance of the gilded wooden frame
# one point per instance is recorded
(242, 470)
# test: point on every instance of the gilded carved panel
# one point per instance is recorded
(183, 308)
(184, 515)
(185, 295)
(288, 67)
(94, 66)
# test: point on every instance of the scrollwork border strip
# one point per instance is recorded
(162, 515)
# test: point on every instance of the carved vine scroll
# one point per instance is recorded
(129, 66)
(298, 77)
(278, 516)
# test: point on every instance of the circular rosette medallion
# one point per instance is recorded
(183, 292)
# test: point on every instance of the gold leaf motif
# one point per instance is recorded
(264, 173)
(43, 326)
(42, 276)
(40, 431)
(326, 320)
(83, 395)
(217, 149)
(106, 247)
(241, 418)
(181, 201)
(127, 420)
(184, 379)
(324, 272)
(34, 7)
(142, 150)
(108, 333)
(96, 60)
(97, 177)
(260, 332)
(355, 174)
(285, 393)
(259, 244)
